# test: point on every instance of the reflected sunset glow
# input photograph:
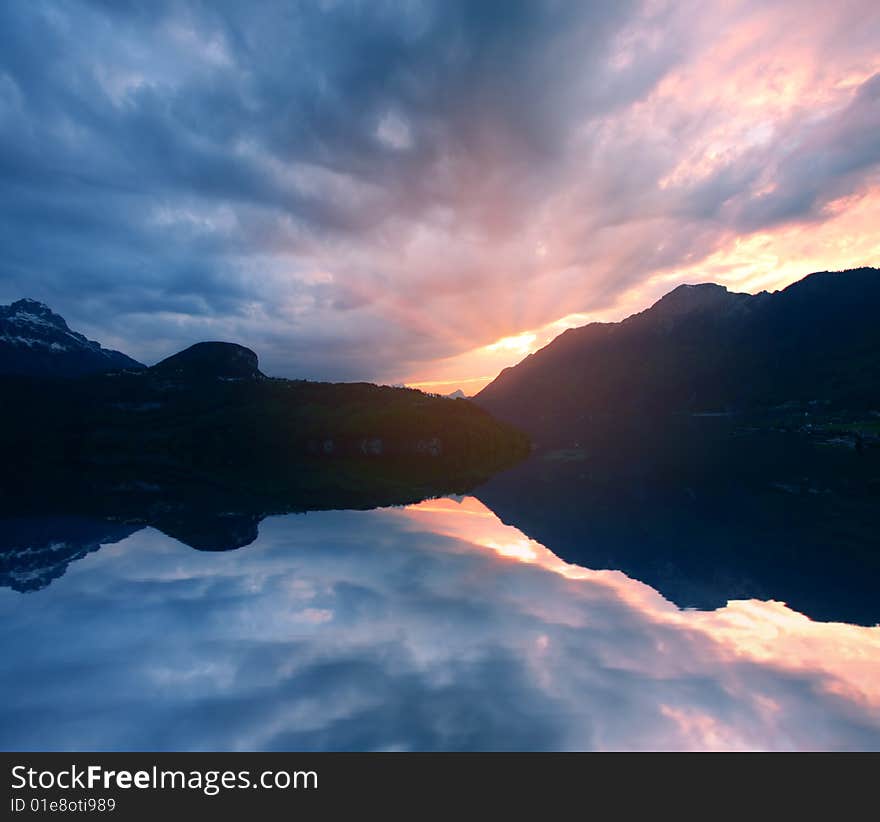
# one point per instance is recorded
(432, 627)
(769, 633)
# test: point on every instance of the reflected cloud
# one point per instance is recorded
(766, 632)
(429, 627)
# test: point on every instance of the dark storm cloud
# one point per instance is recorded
(266, 172)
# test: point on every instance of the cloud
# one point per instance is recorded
(360, 190)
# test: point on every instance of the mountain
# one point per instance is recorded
(702, 350)
(210, 411)
(210, 360)
(36, 342)
(458, 394)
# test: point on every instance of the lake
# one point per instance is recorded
(420, 627)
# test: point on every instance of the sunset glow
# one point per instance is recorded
(396, 208)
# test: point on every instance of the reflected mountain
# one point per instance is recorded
(49, 520)
(710, 513)
(203, 446)
(37, 550)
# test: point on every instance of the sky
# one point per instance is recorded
(424, 192)
(431, 627)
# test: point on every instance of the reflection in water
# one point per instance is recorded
(763, 631)
(747, 517)
(434, 626)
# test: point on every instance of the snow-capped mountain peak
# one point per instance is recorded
(35, 341)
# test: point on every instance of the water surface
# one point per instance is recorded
(432, 626)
